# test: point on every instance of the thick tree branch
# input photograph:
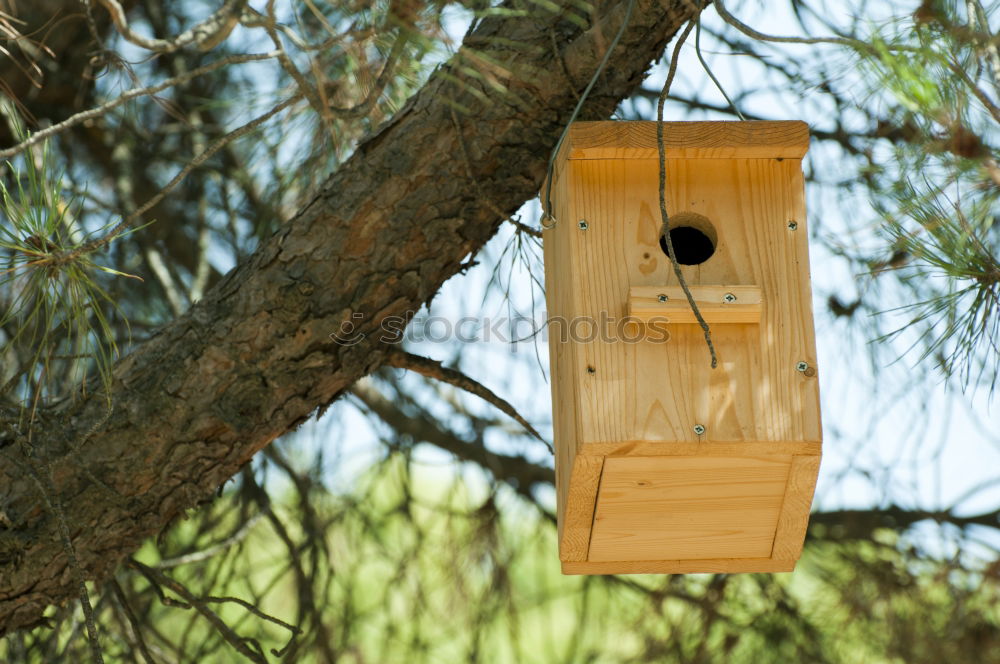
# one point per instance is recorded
(254, 358)
(861, 524)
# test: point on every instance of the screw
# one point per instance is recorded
(591, 370)
(802, 366)
(728, 298)
(662, 298)
(583, 224)
(793, 225)
(699, 429)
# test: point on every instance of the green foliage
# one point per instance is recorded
(427, 563)
(938, 188)
(51, 287)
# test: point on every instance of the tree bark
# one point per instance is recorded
(255, 358)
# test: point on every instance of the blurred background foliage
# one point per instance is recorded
(412, 522)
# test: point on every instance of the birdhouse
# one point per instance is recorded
(663, 463)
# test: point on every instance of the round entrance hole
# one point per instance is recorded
(693, 237)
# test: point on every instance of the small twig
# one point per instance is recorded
(98, 111)
(238, 642)
(760, 36)
(432, 369)
(170, 288)
(856, 44)
(524, 228)
(984, 98)
(204, 36)
(205, 554)
(990, 44)
(665, 226)
(252, 18)
(88, 11)
(305, 88)
(47, 491)
(132, 621)
(522, 475)
(295, 631)
(190, 166)
(547, 202)
(364, 107)
(708, 70)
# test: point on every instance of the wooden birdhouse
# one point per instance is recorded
(664, 464)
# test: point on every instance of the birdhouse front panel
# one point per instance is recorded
(665, 464)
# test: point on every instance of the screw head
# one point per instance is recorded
(793, 225)
(591, 370)
(699, 429)
(728, 298)
(662, 298)
(583, 224)
(802, 366)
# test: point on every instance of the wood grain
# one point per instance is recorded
(690, 507)
(703, 469)
(657, 391)
(647, 303)
(703, 448)
(578, 518)
(687, 140)
(710, 566)
(558, 291)
(794, 521)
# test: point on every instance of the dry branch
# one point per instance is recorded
(433, 369)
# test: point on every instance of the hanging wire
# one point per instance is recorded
(665, 218)
(708, 70)
(548, 221)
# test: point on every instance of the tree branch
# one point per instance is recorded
(860, 524)
(518, 472)
(432, 369)
(253, 359)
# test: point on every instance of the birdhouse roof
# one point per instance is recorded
(691, 140)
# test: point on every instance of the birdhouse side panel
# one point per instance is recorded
(577, 476)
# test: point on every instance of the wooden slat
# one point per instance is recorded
(684, 508)
(794, 519)
(708, 566)
(562, 356)
(579, 515)
(644, 304)
(690, 140)
(705, 448)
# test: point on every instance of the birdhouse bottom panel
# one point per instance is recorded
(691, 513)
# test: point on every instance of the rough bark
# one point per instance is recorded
(254, 358)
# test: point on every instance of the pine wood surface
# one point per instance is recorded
(733, 493)
(687, 140)
(647, 304)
